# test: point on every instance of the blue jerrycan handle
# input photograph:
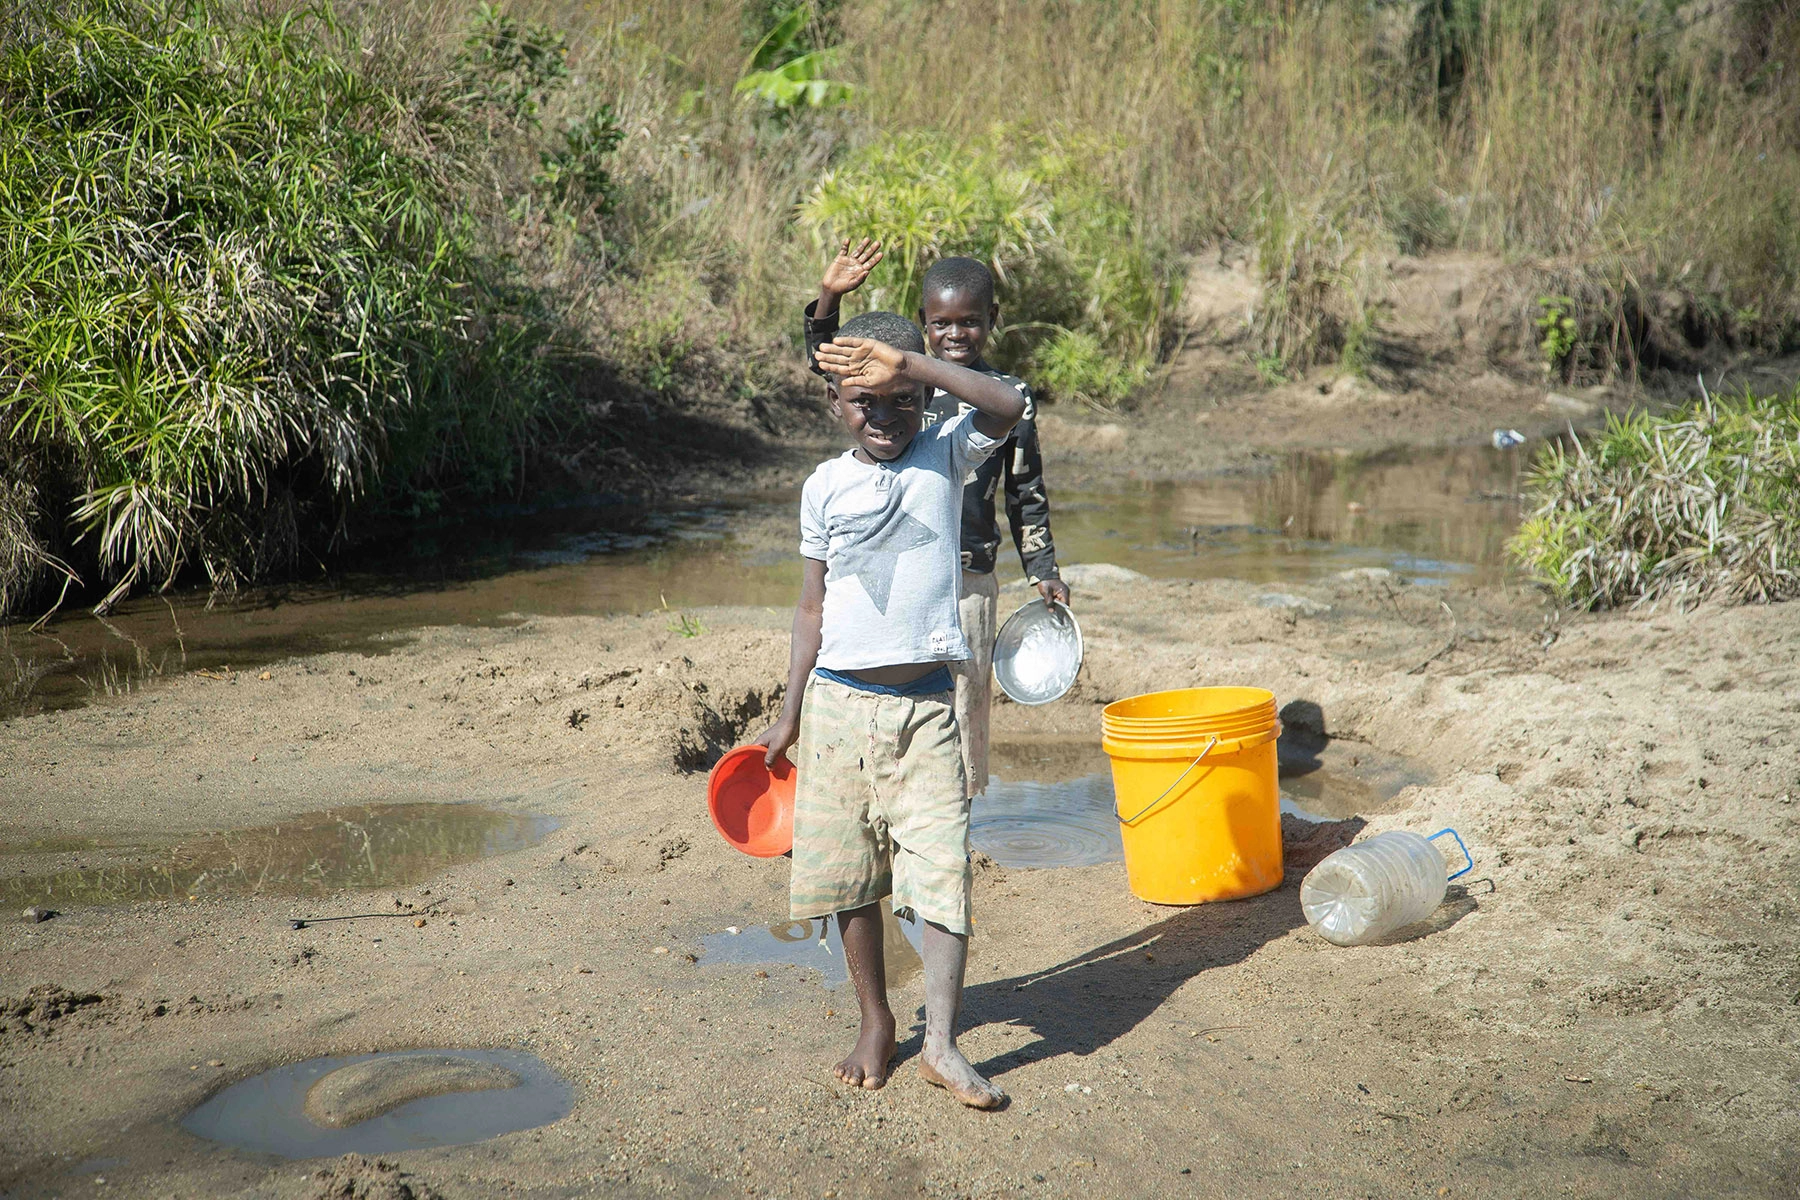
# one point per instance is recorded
(1467, 857)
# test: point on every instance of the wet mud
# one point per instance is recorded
(312, 854)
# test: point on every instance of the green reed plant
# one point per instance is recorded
(1702, 502)
(238, 295)
(1073, 275)
(1311, 264)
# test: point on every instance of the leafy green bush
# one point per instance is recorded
(1561, 331)
(512, 65)
(785, 75)
(238, 293)
(1064, 248)
(1696, 503)
(1073, 365)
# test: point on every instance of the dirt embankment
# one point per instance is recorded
(1606, 1009)
(1452, 357)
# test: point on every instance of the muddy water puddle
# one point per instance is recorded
(1049, 801)
(1431, 515)
(366, 846)
(266, 1114)
(576, 560)
(813, 945)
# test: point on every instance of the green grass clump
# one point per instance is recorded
(1704, 502)
(1076, 280)
(237, 294)
(1073, 365)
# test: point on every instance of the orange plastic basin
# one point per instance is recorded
(752, 806)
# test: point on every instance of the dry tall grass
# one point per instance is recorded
(1635, 146)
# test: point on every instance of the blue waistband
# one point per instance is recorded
(939, 680)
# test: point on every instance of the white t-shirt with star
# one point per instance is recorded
(890, 536)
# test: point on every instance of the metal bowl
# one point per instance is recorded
(1038, 652)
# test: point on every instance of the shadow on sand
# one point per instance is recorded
(1092, 1000)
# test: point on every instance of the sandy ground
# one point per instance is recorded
(1608, 1010)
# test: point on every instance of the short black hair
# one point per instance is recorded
(891, 328)
(968, 276)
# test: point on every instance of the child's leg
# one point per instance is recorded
(842, 858)
(922, 793)
(946, 954)
(867, 1065)
(978, 610)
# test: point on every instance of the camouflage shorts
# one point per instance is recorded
(880, 806)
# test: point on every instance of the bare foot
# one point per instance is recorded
(867, 1065)
(949, 1070)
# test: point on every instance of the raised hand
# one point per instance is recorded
(861, 362)
(848, 270)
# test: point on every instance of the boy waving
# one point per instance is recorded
(959, 313)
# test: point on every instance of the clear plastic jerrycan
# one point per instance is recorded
(1366, 891)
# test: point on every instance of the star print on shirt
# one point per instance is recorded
(872, 550)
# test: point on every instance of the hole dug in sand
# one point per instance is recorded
(381, 1103)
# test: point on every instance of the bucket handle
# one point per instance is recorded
(1469, 858)
(1210, 743)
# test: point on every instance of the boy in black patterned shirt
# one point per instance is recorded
(959, 313)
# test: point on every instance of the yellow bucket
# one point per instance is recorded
(1199, 808)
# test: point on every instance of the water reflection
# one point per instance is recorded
(814, 944)
(1430, 514)
(1427, 514)
(570, 561)
(388, 845)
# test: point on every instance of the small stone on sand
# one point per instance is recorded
(35, 914)
(353, 1094)
(1286, 600)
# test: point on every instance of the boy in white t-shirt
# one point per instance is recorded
(881, 807)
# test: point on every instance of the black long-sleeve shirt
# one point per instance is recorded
(1017, 466)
